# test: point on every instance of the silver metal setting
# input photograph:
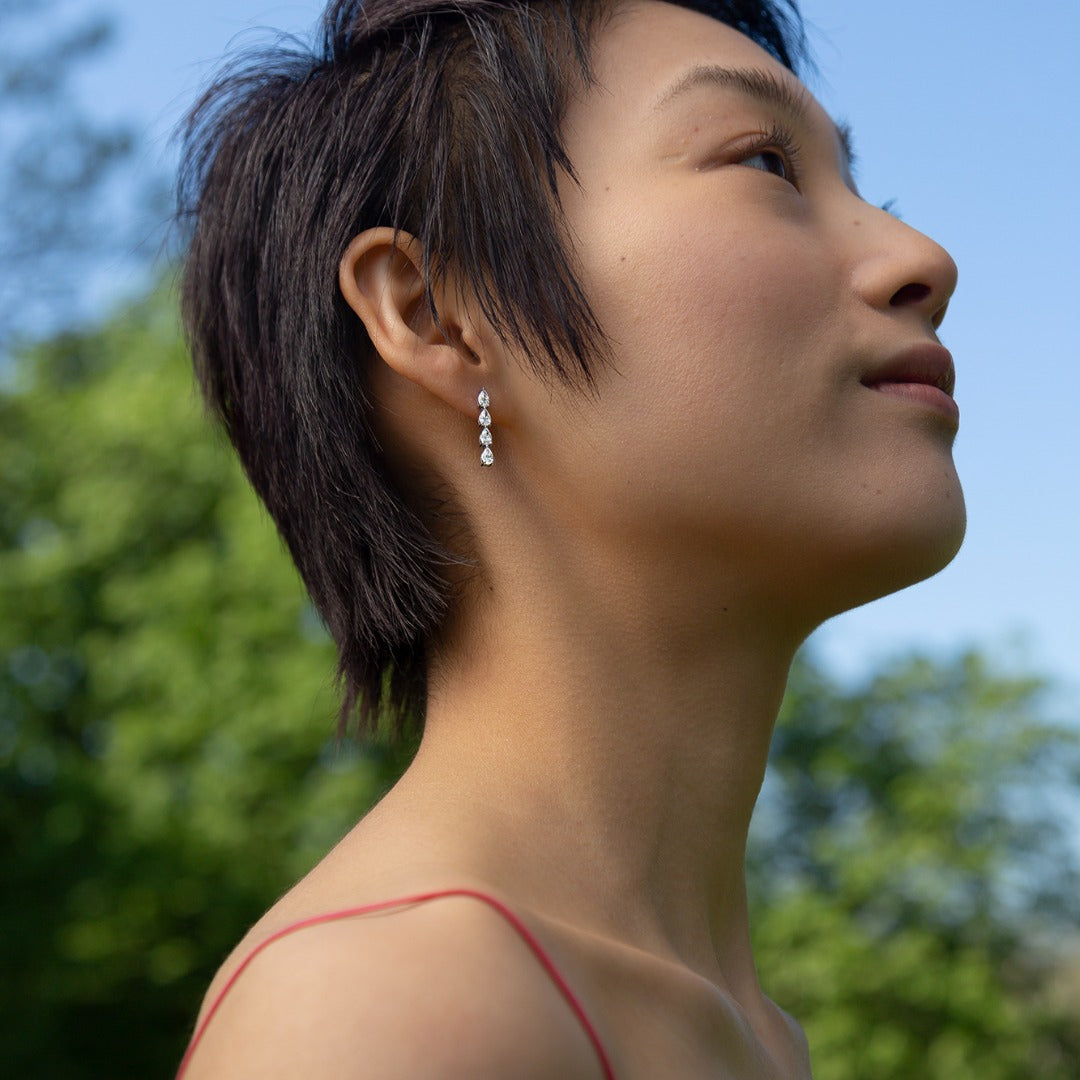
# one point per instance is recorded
(487, 458)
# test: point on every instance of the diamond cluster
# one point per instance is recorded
(484, 420)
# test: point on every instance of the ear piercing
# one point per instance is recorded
(487, 458)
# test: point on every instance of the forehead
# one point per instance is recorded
(651, 54)
(654, 35)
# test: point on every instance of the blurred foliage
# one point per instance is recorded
(65, 204)
(168, 767)
(167, 754)
(911, 867)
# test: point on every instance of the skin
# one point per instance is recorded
(649, 560)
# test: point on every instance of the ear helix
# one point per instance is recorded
(487, 458)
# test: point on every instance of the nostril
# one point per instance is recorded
(912, 293)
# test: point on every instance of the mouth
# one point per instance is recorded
(923, 374)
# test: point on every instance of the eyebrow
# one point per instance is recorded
(762, 86)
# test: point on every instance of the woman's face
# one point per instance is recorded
(755, 303)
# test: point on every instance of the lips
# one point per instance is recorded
(926, 364)
(923, 376)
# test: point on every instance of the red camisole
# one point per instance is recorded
(496, 905)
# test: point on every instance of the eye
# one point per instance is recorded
(770, 161)
(775, 152)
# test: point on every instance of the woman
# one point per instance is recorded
(614, 252)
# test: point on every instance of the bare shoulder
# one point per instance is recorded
(440, 989)
(800, 1045)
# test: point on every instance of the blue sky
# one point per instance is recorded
(963, 113)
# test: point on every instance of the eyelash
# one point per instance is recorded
(780, 139)
(781, 142)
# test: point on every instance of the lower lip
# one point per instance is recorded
(921, 394)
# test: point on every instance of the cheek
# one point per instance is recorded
(704, 418)
(718, 314)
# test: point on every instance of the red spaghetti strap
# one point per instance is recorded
(523, 932)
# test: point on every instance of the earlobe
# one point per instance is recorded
(381, 278)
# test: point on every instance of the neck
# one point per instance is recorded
(608, 752)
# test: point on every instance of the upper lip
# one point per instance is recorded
(926, 362)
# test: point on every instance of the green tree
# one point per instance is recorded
(167, 759)
(911, 859)
(65, 203)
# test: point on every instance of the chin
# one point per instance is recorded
(903, 551)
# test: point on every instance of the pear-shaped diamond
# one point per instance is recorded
(484, 420)
(482, 399)
(485, 436)
(486, 456)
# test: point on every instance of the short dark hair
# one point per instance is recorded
(437, 117)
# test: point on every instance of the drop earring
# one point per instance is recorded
(487, 458)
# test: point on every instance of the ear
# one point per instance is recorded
(381, 278)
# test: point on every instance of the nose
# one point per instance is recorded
(900, 268)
